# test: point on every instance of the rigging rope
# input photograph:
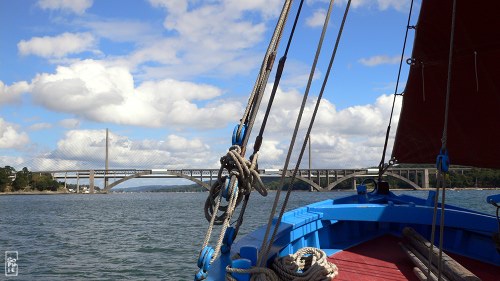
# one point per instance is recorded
(243, 176)
(266, 248)
(442, 159)
(266, 67)
(382, 166)
(277, 78)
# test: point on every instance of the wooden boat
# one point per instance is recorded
(363, 233)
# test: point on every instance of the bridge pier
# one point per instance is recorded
(91, 182)
(425, 179)
(77, 182)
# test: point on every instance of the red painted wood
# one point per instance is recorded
(382, 259)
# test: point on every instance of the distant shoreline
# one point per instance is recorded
(120, 192)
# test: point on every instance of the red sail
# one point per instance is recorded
(474, 107)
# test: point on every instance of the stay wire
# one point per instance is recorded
(279, 72)
(265, 249)
(382, 161)
(444, 140)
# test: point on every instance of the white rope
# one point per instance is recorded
(307, 264)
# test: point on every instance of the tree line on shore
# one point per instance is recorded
(24, 180)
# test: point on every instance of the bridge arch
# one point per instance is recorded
(138, 175)
(360, 173)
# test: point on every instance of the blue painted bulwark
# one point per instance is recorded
(338, 224)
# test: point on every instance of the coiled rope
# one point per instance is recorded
(307, 264)
(242, 175)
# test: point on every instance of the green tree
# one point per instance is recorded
(6, 174)
(43, 182)
(22, 180)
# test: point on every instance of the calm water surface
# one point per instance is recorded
(133, 236)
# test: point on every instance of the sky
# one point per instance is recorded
(171, 78)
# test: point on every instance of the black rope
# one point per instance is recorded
(382, 161)
(279, 72)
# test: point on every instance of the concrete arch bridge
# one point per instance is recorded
(317, 179)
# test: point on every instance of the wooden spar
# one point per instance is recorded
(418, 260)
(420, 275)
(451, 268)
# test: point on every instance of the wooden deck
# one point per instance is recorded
(382, 259)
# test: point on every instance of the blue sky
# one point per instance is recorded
(170, 79)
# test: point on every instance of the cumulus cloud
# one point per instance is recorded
(69, 123)
(317, 19)
(207, 38)
(12, 94)
(86, 149)
(40, 126)
(74, 6)
(10, 137)
(378, 60)
(57, 46)
(107, 94)
(398, 5)
(351, 137)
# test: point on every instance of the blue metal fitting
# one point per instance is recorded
(361, 189)
(443, 161)
(228, 240)
(241, 264)
(493, 199)
(249, 252)
(226, 189)
(238, 139)
(205, 258)
(200, 275)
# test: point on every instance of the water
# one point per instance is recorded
(135, 236)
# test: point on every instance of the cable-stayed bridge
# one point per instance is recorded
(317, 179)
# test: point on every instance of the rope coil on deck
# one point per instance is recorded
(307, 264)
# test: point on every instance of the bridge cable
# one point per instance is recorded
(266, 248)
(442, 161)
(382, 166)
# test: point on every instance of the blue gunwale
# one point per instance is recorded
(338, 224)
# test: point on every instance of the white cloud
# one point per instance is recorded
(122, 30)
(382, 5)
(12, 94)
(57, 46)
(10, 137)
(378, 60)
(69, 123)
(107, 94)
(40, 126)
(317, 19)
(206, 38)
(13, 161)
(75, 6)
(86, 149)
(349, 138)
